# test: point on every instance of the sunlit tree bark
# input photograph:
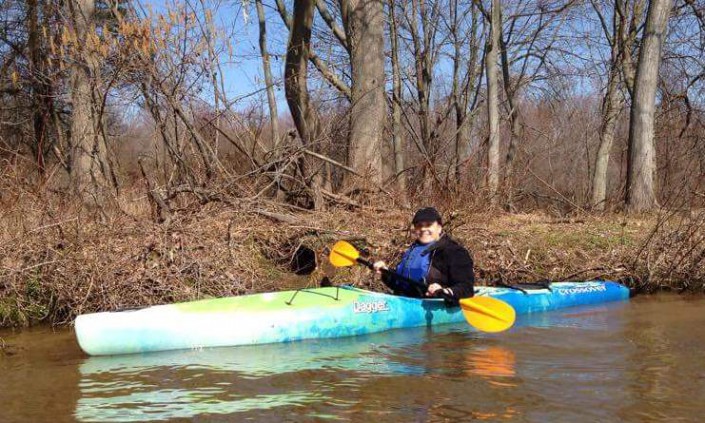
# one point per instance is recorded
(267, 70)
(397, 135)
(641, 169)
(296, 88)
(492, 73)
(364, 27)
(89, 163)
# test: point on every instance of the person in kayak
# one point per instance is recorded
(443, 265)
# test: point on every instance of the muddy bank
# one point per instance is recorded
(56, 267)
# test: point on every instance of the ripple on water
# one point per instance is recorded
(626, 362)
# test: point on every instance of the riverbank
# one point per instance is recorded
(55, 266)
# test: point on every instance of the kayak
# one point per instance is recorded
(309, 313)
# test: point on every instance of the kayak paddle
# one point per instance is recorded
(486, 314)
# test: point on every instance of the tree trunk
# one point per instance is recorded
(40, 90)
(397, 140)
(640, 194)
(325, 71)
(493, 101)
(422, 65)
(455, 94)
(462, 141)
(89, 165)
(271, 98)
(296, 71)
(364, 27)
(463, 86)
(268, 80)
(514, 120)
(626, 35)
(296, 90)
(611, 107)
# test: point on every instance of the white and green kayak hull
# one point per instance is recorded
(309, 313)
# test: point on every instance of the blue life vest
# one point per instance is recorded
(415, 262)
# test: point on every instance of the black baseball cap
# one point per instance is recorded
(427, 214)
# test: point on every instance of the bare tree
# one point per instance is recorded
(492, 72)
(422, 21)
(467, 72)
(611, 107)
(631, 22)
(268, 80)
(60, 82)
(397, 135)
(620, 37)
(41, 91)
(640, 193)
(331, 77)
(525, 48)
(364, 29)
(89, 163)
(296, 88)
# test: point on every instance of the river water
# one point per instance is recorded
(639, 361)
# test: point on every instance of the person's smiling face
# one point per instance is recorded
(427, 232)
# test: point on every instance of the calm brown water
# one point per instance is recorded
(641, 361)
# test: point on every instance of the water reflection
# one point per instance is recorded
(624, 362)
(169, 404)
(668, 376)
(492, 362)
(183, 384)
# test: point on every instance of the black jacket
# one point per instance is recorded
(451, 267)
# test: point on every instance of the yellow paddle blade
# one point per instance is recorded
(343, 254)
(488, 314)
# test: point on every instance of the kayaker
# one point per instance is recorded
(434, 258)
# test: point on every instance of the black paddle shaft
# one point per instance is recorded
(388, 272)
(440, 293)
